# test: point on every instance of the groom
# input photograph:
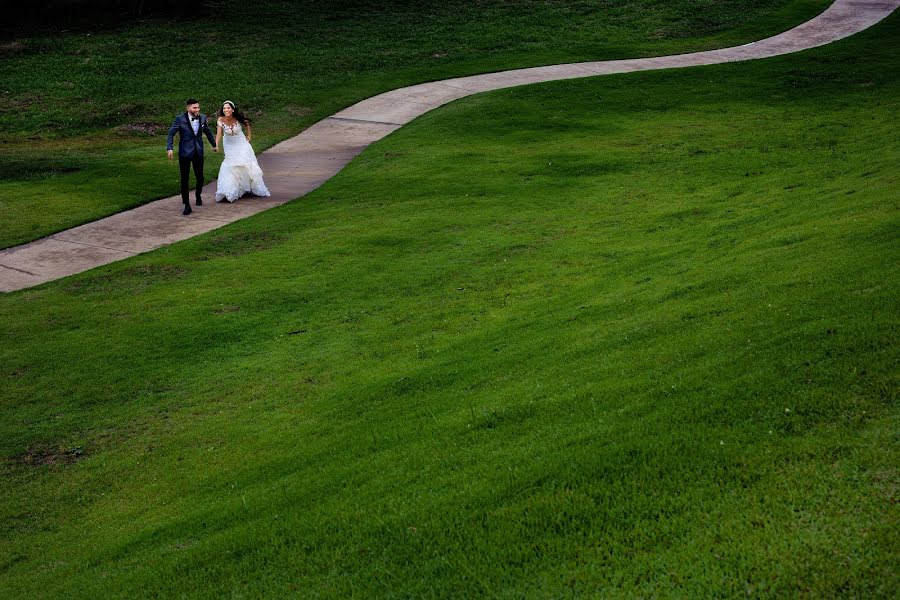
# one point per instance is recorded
(189, 126)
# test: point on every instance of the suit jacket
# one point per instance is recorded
(188, 143)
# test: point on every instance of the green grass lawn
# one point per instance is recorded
(620, 336)
(83, 115)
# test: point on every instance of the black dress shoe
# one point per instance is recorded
(187, 209)
(199, 202)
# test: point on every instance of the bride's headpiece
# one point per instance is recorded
(229, 102)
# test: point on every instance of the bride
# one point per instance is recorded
(239, 173)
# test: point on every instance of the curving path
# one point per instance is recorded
(303, 163)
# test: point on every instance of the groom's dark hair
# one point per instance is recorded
(191, 101)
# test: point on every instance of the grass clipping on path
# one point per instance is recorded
(632, 335)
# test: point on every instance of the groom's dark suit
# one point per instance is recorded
(190, 150)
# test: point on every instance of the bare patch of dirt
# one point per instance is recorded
(140, 129)
(225, 309)
(11, 47)
(298, 111)
(133, 279)
(238, 244)
(40, 456)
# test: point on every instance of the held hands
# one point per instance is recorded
(169, 154)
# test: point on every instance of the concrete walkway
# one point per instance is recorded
(303, 163)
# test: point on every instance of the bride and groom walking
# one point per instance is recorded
(239, 173)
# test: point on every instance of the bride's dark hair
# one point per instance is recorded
(241, 117)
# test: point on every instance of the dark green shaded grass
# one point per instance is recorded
(632, 335)
(83, 115)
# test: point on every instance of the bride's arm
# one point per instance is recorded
(218, 134)
(249, 132)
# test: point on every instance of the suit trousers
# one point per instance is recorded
(185, 165)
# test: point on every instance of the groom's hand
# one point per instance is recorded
(169, 154)
(215, 148)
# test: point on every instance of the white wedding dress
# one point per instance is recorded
(239, 173)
